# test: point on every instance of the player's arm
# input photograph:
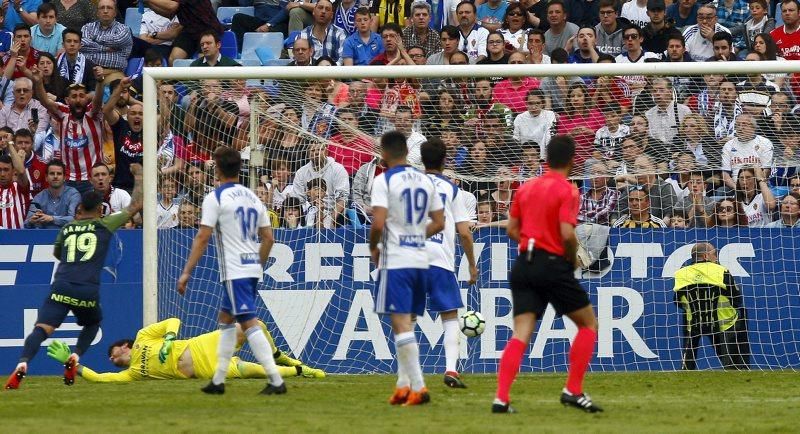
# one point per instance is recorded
(465, 233)
(97, 99)
(512, 229)
(376, 231)
(199, 246)
(105, 377)
(109, 109)
(19, 166)
(436, 215)
(160, 329)
(58, 245)
(267, 240)
(570, 242)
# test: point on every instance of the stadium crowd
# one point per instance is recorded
(652, 151)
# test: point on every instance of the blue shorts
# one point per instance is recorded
(443, 290)
(82, 300)
(239, 299)
(401, 291)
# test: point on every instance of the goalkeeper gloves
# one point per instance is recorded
(166, 348)
(59, 351)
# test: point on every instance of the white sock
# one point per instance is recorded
(451, 336)
(408, 355)
(227, 343)
(402, 373)
(263, 352)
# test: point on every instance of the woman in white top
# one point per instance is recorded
(535, 124)
(513, 28)
(753, 192)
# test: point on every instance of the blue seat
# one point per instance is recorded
(277, 62)
(133, 19)
(269, 45)
(135, 65)
(225, 13)
(182, 62)
(229, 46)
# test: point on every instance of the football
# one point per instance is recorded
(471, 323)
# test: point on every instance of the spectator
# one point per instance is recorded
(561, 32)
(168, 204)
(394, 53)
(475, 168)
(403, 122)
(54, 84)
(196, 186)
(362, 187)
(635, 11)
(659, 29)
(73, 65)
(21, 49)
(160, 31)
(587, 51)
(292, 214)
(80, 128)
(732, 13)
(107, 42)
(350, 147)
(695, 205)
(15, 196)
(755, 89)
(317, 214)
(25, 111)
(490, 14)
(443, 115)
(36, 168)
(536, 124)
(345, 16)
(472, 39)
(449, 39)
(114, 199)
(512, 91)
(598, 202)
(676, 51)
(536, 47)
(502, 194)
(513, 28)
(698, 37)
(728, 213)
(556, 88)
(678, 220)
(723, 48)
(196, 16)
(683, 13)
(187, 215)
(696, 138)
(531, 165)
(608, 139)
(127, 133)
(326, 38)
(46, 35)
(725, 111)
(753, 192)
(634, 53)
(759, 22)
(302, 51)
(335, 177)
(667, 115)
(54, 207)
(609, 31)
(19, 12)
(210, 45)
(210, 120)
(420, 33)
(787, 39)
(363, 45)
(751, 150)
(790, 212)
(639, 212)
(581, 122)
(264, 193)
(495, 50)
(74, 14)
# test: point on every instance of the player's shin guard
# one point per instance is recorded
(402, 371)
(451, 333)
(509, 367)
(579, 356)
(263, 352)
(227, 343)
(408, 356)
(32, 344)
(85, 338)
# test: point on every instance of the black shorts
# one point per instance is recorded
(84, 302)
(548, 278)
(186, 43)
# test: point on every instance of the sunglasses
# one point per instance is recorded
(630, 36)
(515, 14)
(76, 86)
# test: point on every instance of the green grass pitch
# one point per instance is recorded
(711, 401)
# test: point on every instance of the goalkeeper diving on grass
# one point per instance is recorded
(157, 354)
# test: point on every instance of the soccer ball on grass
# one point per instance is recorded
(471, 323)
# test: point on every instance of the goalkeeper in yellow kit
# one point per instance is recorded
(157, 354)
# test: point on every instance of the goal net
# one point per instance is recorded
(701, 153)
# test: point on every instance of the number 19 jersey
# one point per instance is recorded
(236, 215)
(408, 195)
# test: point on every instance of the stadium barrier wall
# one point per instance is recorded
(319, 294)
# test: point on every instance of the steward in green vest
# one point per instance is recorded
(713, 307)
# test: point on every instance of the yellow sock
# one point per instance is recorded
(254, 370)
(269, 337)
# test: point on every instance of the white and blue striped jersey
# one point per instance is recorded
(408, 195)
(236, 215)
(442, 246)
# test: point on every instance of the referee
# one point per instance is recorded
(542, 221)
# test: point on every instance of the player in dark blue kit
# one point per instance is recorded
(81, 246)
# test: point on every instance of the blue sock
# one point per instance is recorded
(32, 344)
(86, 337)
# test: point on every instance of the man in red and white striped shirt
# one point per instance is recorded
(80, 129)
(15, 195)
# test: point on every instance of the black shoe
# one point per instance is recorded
(499, 407)
(214, 389)
(581, 401)
(274, 390)
(453, 380)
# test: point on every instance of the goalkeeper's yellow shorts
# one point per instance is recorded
(204, 356)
